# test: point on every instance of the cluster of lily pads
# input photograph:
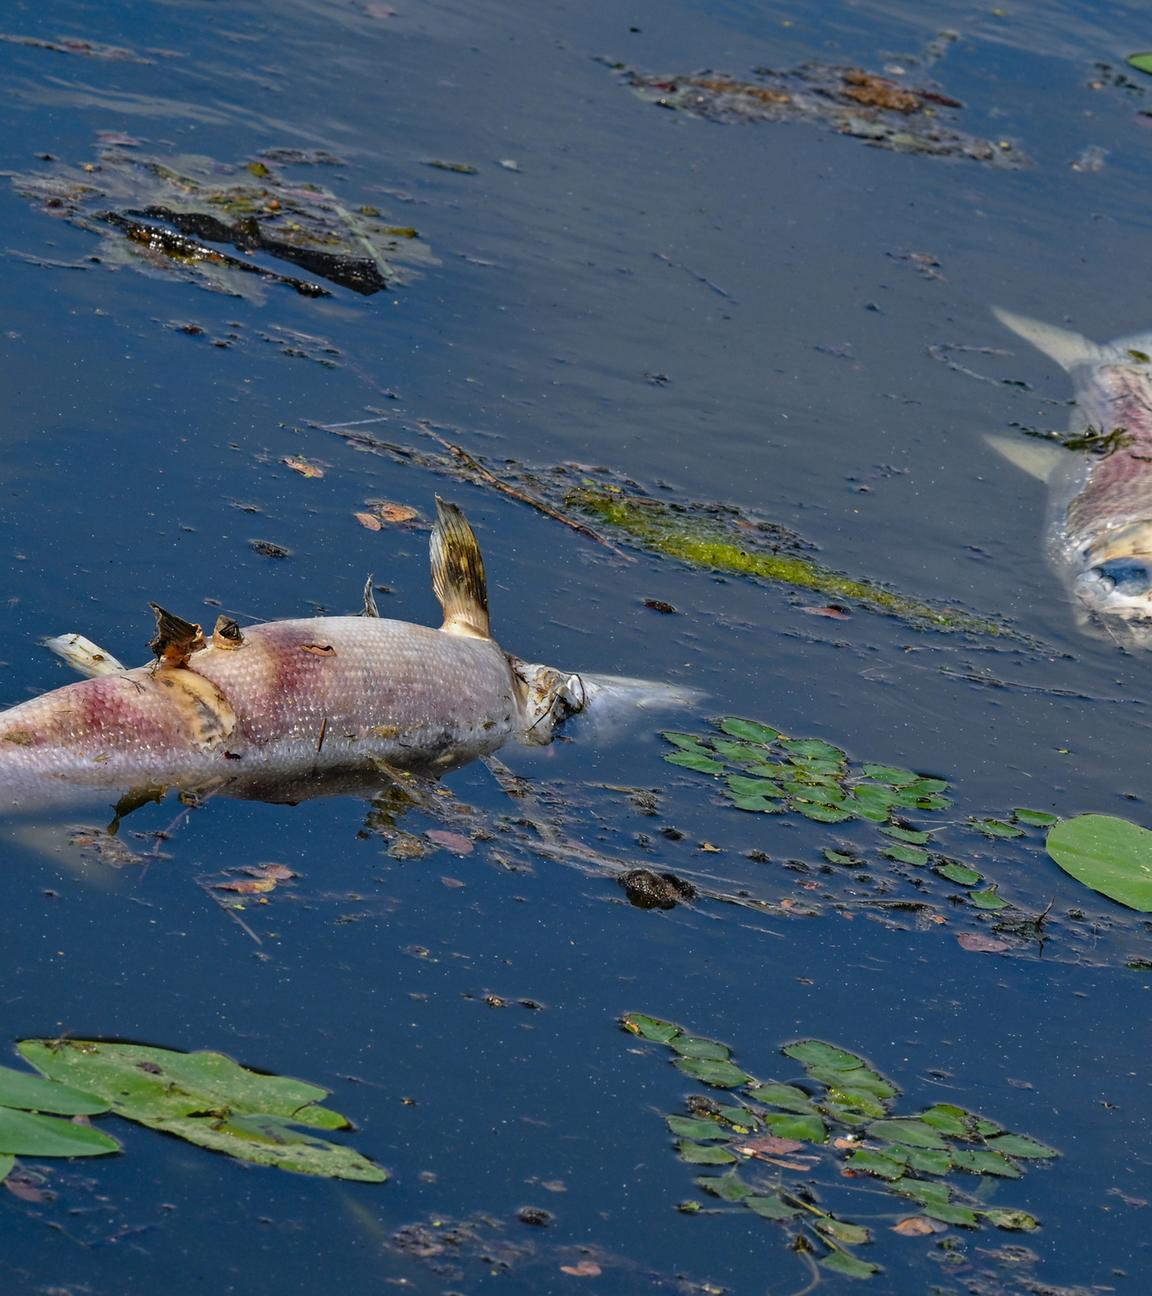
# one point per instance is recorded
(205, 1098)
(766, 772)
(766, 1142)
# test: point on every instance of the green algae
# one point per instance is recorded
(678, 534)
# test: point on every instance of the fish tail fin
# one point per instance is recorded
(458, 574)
(1068, 349)
(1038, 459)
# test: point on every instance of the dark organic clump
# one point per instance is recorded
(648, 890)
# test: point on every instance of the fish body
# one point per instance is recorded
(326, 699)
(1100, 524)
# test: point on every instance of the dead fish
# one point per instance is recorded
(1100, 511)
(244, 711)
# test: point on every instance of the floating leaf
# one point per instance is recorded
(743, 786)
(739, 1116)
(786, 1096)
(912, 1133)
(988, 899)
(690, 760)
(815, 748)
(814, 1052)
(950, 1214)
(34, 1093)
(906, 854)
(960, 874)
(689, 1046)
(757, 804)
(909, 835)
(696, 1127)
(649, 1028)
(719, 1074)
(842, 1262)
(935, 1194)
(750, 729)
(1035, 818)
(209, 1100)
(1017, 1145)
(729, 1187)
(866, 1161)
(997, 828)
(1112, 856)
(704, 1153)
(687, 742)
(890, 774)
(809, 1129)
(6, 1164)
(772, 1207)
(929, 1160)
(1141, 62)
(821, 813)
(29, 1134)
(980, 1161)
(842, 1231)
(1015, 1220)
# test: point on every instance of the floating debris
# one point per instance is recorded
(176, 215)
(879, 110)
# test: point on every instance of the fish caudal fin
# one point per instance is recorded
(1038, 459)
(458, 574)
(1068, 349)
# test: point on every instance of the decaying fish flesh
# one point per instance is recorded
(1100, 526)
(246, 710)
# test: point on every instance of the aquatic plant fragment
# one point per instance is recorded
(883, 111)
(207, 1099)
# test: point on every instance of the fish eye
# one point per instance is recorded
(1125, 575)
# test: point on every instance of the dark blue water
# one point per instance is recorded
(803, 390)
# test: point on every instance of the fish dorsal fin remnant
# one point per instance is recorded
(176, 639)
(370, 608)
(1068, 349)
(458, 574)
(1038, 459)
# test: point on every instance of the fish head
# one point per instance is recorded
(1115, 586)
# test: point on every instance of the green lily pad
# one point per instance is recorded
(740, 1117)
(961, 874)
(6, 1164)
(929, 1160)
(696, 1127)
(997, 828)
(1112, 856)
(912, 1133)
(690, 1046)
(847, 1102)
(810, 1129)
(30, 1134)
(771, 1206)
(949, 1119)
(814, 1052)
(758, 804)
(889, 774)
(649, 1028)
(34, 1093)
(1035, 818)
(694, 761)
(1017, 1145)
(1014, 1220)
(210, 1100)
(743, 786)
(272, 1141)
(905, 854)
(947, 1213)
(750, 729)
(842, 1231)
(865, 1161)
(728, 1187)
(843, 1262)
(782, 1095)
(981, 1161)
(989, 899)
(685, 741)
(718, 1073)
(821, 813)
(815, 748)
(1141, 62)
(704, 1153)
(912, 836)
(928, 1194)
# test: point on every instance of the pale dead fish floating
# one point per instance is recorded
(290, 709)
(1100, 505)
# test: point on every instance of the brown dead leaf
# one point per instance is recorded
(23, 1187)
(246, 886)
(978, 944)
(394, 514)
(456, 842)
(833, 610)
(709, 848)
(369, 521)
(583, 1269)
(918, 1226)
(281, 872)
(305, 467)
(769, 1145)
(452, 883)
